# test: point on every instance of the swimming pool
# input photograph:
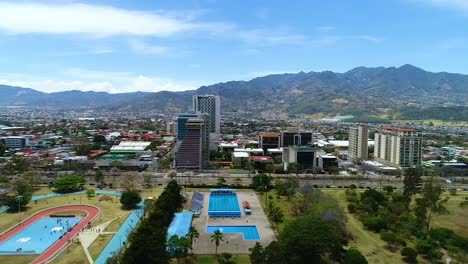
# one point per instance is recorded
(224, 204)
(249, 232)
(39, 236)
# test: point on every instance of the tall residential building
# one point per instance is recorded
(358, 138)
(210, 105)
(181, 128)
(399, 147)
(193, 152)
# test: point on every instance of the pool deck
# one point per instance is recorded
(233, 243)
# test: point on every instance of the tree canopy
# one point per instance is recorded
(67, 184)
(129, 199)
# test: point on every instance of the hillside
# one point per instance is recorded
(405, 92)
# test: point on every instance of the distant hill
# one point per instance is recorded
(18, 96)
(390, 93)
(387, 93)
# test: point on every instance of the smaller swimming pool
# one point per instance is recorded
(249, 232)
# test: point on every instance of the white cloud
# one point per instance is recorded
(265, 73)
(264, 37)
(142, 47)
(101, 81)
(95, 20)
(326, 28)
(458, 5)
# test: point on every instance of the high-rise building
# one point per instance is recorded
(399, 147)
(181, 128)
(193, 152)
(358, 139)
(15, 141)
(210, 105)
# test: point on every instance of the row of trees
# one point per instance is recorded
(148, 242)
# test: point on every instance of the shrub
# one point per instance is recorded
(352, 208)
(374, 223)
(410, 255)
(391, 238)
(130, 199)
(353, 256)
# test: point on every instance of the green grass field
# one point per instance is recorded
(369, 243)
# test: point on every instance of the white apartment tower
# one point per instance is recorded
(358, 138)
(399, 147)
(210, 105)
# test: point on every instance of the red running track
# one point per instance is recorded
(91, 213)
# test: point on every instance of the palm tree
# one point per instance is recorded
(193, 234)
(216, 237)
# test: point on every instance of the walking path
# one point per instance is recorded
(88, 236)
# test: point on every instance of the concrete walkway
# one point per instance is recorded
(88, 236)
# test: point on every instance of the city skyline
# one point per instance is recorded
(165, 45)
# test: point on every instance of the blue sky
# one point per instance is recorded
(153, 45)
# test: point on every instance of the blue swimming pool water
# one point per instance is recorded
(249, 232)
(39, 236)
(224, 205)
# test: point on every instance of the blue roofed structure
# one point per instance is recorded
(180, 225)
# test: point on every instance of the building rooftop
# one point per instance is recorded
(400, 129)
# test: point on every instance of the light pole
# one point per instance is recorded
(19, 198)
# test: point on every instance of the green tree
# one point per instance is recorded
(99, 139)
(99, 176)
(220, 181)
(257, 254)
(270, 168)
(410, 255)
(177, 247)
(129, 199)
(21, 197)
(295, 168)
(2, 150)
(226, 258)
(67, 184)
(388, 189)
(430, 202)
(310, 238)
(17, 202)
(261, 180)
(276, 215)
(249, 165)
(193, 234)
(217, 237)
(412, 184)
(82, 148)
(354, 256)
(297, 203)
(90, 193)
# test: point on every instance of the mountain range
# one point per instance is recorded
(405, 92)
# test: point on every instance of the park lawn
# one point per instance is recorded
(457, 218)
(73, 254)
(280, 201)
(99, 244)
(17, 259)
(369, 243)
